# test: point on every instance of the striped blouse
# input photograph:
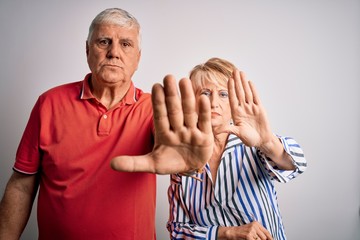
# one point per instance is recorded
(243, 192)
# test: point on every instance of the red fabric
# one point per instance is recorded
(70, 143)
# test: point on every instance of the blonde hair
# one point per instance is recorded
(215, 70)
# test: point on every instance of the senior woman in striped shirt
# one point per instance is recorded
(234, 196)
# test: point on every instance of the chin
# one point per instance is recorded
(216, 124)
(112, 77)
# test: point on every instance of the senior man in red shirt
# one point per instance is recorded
(75, 130)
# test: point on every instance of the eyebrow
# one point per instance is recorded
(202, 89)
(128, 40)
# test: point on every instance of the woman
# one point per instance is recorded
(235, 197)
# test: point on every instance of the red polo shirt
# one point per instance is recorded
(70, 140)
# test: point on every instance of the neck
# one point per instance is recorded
(219, 145)
(109, 95)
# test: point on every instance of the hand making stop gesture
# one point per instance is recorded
(249, 117)
(183, 137)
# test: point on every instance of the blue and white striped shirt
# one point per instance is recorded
(243, 192)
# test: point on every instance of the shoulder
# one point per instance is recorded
(142, 96)
(67, 89)
(143, 100)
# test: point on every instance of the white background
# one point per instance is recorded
(303, 56)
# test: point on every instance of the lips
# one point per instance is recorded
(215, 114)
(111, 65)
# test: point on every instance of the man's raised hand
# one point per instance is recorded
(183, 133)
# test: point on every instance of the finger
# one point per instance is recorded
(239, 90)
(261, 235)
(268, 236)
(246, 88)
(188, 103)
(173, 103)
(264, 233)
(161, 121)
(256, 97)
(233, 99)
(133, 164)
(204, 115)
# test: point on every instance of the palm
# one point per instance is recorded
(183, 137)
(186, 151)
(249, 117)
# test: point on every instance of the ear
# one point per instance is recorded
(87, 48)
(139, 56)
(138, 60)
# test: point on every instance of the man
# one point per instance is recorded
(76, 129)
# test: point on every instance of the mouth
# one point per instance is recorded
(214, 114)
(112, 65)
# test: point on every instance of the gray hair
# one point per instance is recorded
(118, 17)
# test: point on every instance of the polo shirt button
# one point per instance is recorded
(105, 116)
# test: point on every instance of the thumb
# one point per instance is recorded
(133, 164)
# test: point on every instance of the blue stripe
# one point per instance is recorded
(243, 191)
(253, 194)
(200, 203)
(248, 215)
(210, 230)
(187, 234)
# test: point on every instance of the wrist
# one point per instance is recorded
(223, 233)
(272, 148)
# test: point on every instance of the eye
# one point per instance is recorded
(104, 42)
(126, 44)
(205, 92)
(223, 94)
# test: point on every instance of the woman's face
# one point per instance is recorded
(219, 99)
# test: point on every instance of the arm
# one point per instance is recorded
(183, 137)
(16, 204)
(294, 152)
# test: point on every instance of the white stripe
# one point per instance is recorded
(254, 185)
(28, 173)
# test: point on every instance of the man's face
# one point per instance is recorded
(113, 54)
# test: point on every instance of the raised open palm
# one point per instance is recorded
(249, 117)
(183, 137)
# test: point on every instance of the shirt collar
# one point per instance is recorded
(85, 94)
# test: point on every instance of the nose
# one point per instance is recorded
(214, 101)
(113, 51)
